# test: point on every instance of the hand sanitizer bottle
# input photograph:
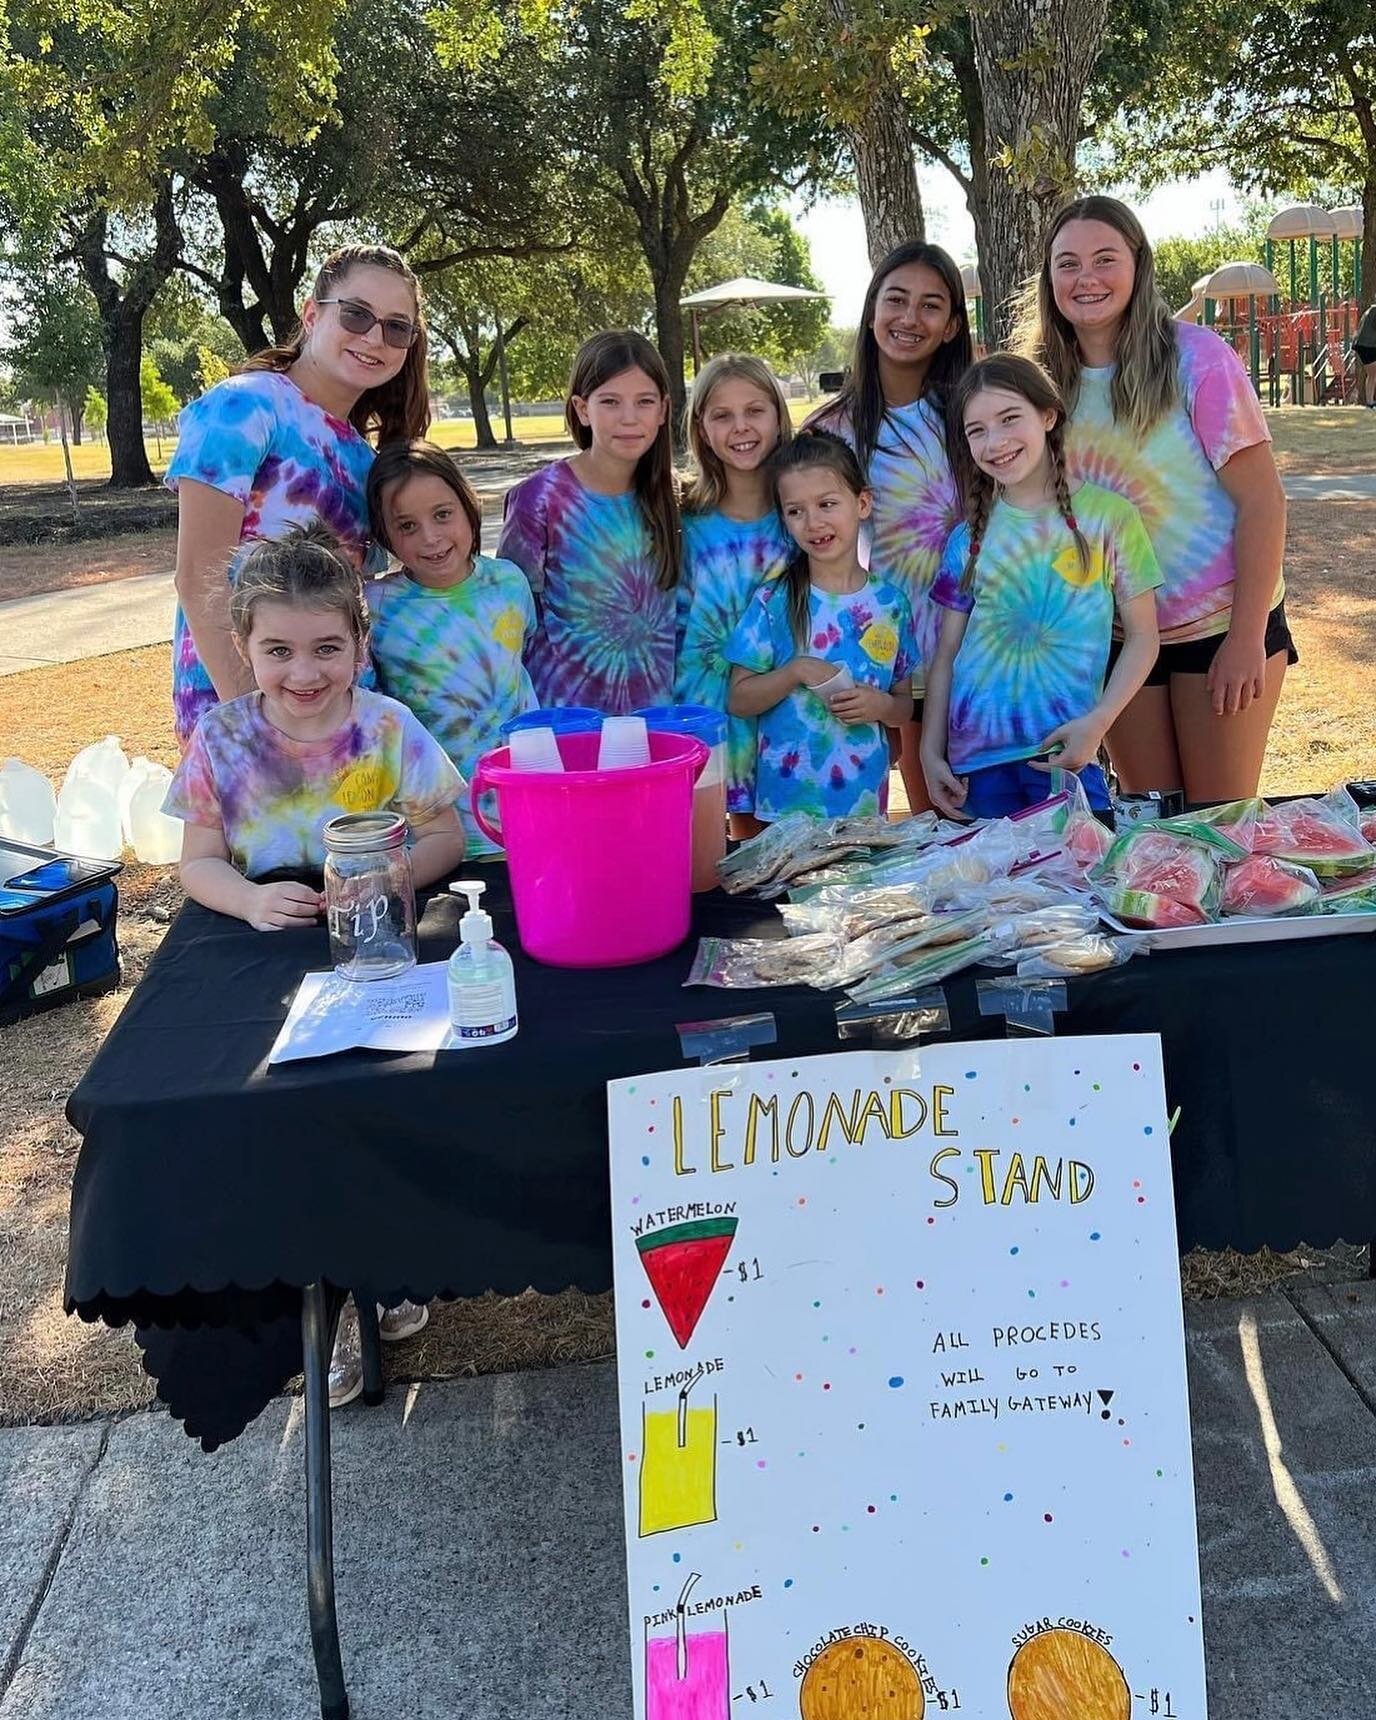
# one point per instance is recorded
(482, 987)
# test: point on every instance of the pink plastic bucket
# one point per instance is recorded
(600, 860)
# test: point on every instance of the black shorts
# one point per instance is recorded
(1367, 354)
(1193, 656)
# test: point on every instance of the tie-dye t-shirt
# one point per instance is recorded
(807, 760)
(915, 507)
(454, 656)
(273, 796)
(606, 631)
(257, 437)
(1036, 644)
(1171, 477)
(725, 562)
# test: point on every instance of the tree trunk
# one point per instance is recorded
(471, 366)
(1368, 286)
(78, 414)
(129, 468)
(1034, 58)
(669, 334)
(881, 146)
(976, 187)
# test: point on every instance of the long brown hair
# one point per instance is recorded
(599, 359)
(1144, 386)
(706, 488)
(1010, 373)
(398, 409)
(398, 461)
(808, 449)
(861, 396)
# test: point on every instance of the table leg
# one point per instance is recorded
(371, 1344)
(317, 1338)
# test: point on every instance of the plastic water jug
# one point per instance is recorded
(28, 805)
(153, 834)
(709, 796)
(563, 719)
(600, 861)
(103, 761)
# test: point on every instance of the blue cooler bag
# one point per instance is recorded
(57, 928)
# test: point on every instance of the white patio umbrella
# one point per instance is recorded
(741, 290)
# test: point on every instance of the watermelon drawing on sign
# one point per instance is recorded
(683, 1263)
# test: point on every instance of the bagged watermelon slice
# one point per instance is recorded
(1148, 909)
(1237, 820)
(1186, 869)
(1323, 834)
(1353, 895)
(1261, 886)
(1369, 824)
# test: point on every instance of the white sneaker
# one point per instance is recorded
(403, 1321)
(346, 1363)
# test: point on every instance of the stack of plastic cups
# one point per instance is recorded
(625, 743)
(535, 748)
(709, 795)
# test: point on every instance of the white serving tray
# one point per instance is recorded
(1243, 930)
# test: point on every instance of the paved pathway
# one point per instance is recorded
(94, 620)
(479, 1539)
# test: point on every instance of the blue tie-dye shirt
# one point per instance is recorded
(1041, 619)
(454, 656)
(606, 631)
(807, 759)
(257, 437)
(725, 562)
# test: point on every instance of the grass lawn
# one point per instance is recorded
(1325, 732)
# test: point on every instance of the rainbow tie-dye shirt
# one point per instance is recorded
(1036, 645)
(915, 507)
(725, 562)
(606, 631)
(257, 437)
(807, 760)
(454, 656)
(1171, 477)
(273, 796)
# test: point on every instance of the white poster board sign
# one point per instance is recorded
(903, 1403)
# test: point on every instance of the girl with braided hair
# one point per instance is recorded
(1029, 587)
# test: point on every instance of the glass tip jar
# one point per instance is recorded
(370, 896)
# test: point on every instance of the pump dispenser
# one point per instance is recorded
(482, 986)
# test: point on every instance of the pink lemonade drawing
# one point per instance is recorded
(688, 1674)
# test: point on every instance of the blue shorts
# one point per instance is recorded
(1002, 789)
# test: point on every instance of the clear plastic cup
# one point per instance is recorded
(624, 743)
(534, 749)
(841, 682)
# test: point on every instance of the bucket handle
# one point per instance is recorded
(480, 785)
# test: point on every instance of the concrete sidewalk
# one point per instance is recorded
(479, 1544)
(94, 620)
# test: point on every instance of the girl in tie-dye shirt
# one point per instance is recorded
(597, 536)
(911, 347)
(264, 773)
(1163, 413)
(733, 542)
(449, 629)
(1027, 595)
(822, 747)
(284, 443)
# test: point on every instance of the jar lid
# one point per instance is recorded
(563, 719)
(356, 832)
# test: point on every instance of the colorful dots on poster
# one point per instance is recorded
(788, 1582)
(895, 1381)
(1008, 1498)
(644, 1158)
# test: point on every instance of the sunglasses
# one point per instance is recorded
(358, 319)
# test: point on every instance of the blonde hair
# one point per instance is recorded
(1145, 385)
(305, 568)
(398, 409)
(706, 488)
(1010, 373)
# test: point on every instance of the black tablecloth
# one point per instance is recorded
(211, 1188)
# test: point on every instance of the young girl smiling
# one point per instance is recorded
(826, 753)
(264, 773)
(733, 541)
(448, 630)
(597, 536)
(1027, 594)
